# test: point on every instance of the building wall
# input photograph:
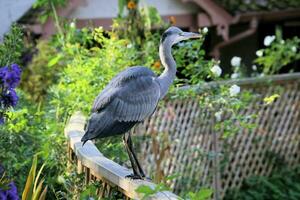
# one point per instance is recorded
(10, 11)
(93, 9)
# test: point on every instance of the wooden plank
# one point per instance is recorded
(281, 78)
(90, 157)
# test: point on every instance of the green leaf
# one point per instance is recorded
(271, 99)
(144, 189)
(43, 194)
(27, 193)
(172, 177)
(205, 193)
(54, 60)
(121, 5)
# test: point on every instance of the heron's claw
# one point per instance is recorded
(134, 176)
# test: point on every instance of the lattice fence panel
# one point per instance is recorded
(186, 132)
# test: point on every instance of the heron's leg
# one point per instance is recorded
(132, 161)
(130, 145)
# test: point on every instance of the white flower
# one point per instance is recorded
(216, 70)
(234, 90)
(205, 30)
(72, 25)
(259, 53)
(218, 116)
(129, 46)
(234, 75)
(254, 67)
(235, 61)
(268, 40)
(294, 49)
(282, 42)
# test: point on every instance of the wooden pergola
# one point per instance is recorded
(210, 14)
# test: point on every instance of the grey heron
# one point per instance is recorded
(132, 96)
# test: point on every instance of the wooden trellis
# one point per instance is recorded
(181, 140)
(194, 149)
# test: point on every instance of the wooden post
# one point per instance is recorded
(216, 167)
(79, 167)
(87, 175)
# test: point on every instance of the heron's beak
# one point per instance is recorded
(190, 35)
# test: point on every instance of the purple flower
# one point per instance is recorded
(3, 195)
(3, 72)
(16, 69)
(9, 98)
(10, 76)
(10, 194)
(1, 122)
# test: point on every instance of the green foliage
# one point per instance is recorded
(229, 106)
(191, 62)
(87, 72)
(17, 145)
(4, 182)
(136, 25)
(283, 183)
(30, 130)
(41, 72)
(278, 54)
(147, 191)
(12, 46)
(202, 194)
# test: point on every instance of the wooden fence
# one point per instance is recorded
(97, 167)
(182, 139)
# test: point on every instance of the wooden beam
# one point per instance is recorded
(217, 13)
(218, 16)
(248, 82)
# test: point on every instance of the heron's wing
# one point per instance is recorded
(133, 96)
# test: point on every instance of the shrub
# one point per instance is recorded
(283, 183)
(278, 53)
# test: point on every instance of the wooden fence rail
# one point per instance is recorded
(97, 167)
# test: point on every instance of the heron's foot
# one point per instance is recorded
(134, 176)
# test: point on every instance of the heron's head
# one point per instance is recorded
(174, 35)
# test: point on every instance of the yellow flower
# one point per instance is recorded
(172, 20)
(156, 65)
(131, 5)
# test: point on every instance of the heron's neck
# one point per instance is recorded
(169, 74)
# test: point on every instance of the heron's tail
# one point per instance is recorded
(84, 140)
(92, 128)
